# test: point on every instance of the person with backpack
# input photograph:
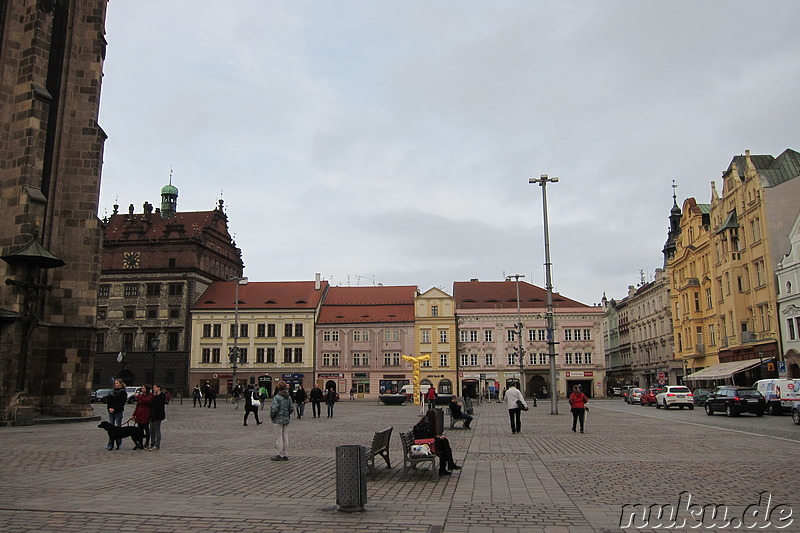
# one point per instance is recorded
(330, 400)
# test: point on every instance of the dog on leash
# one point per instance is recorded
(120, 432)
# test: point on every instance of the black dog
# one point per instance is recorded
(120, 432)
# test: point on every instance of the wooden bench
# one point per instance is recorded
(380, 447)
(454, 421)
(410, 462)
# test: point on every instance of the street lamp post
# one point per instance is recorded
(241, 280)
(520, 351)
(154, 342)
(551, 342)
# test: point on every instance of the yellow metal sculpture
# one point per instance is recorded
(415, 361)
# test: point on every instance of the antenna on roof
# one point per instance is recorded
(170, 174)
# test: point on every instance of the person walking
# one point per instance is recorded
(300, 399)
(212, 397)
(280, 413)
(577, 403)
(353, 392)
(236, 395)
(330, 399)
(430, 396)
(157, 415)
(263, 394)
(516, 404)
(141, 414)
(251, 404)
(207, 395)
(316, 401)
(197, 396)
(115, 403)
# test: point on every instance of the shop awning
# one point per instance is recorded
(724, 370)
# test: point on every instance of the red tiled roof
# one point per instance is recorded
(121, 227)
(262, 295)
(368, 305)
(503, 295)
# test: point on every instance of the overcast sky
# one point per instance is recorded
(394, 140)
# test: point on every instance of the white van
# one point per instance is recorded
(781, 394)
(408, 390)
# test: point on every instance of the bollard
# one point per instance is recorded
(351, 478)
(439, 420)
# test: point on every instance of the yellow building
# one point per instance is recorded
(692, 299)
(435, 335)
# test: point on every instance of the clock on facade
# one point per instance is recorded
(131, 259)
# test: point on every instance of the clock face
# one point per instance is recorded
(131, 259)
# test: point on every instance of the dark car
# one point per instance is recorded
(700, 396)
(735, 400)
(100, 395)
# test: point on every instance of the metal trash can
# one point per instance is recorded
(351, 478)
(439, 420)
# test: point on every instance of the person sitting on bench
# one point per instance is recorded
(456, 412)
(426, 429)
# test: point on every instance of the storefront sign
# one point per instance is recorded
(578, 374)
(329, 376)
(394, 376)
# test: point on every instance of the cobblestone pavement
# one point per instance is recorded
(214, 475)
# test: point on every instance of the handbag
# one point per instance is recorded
(521, 405)
(429, 443)
(420, 450)
(254, 401)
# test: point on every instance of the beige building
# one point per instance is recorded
(435, 335)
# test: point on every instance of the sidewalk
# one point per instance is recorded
(214, 475)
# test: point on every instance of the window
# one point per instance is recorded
(330, 359)
(287, 355)
(102, 312)
(712, 335)
(360, 359)
(531, 358)
(487, 335)
(361, 336)
(567, 334)
(587, 358)
(464, 359)
(763, 313)
(578, 358)
(442, 359)
(426, 336)
(261, 330)
(427, 363)
(511, 335)
(271, 330)
(152, 313)
(173, 338)
(131, 290)
(242, 355)
(176, 289)
(172, 262)
(288, 330)
(100, 342)
(298, 355)
(127, 342)
(587, 334)
(699, 332)
(271, 355)
(489, 359)
(330, 336)
(391, 335)
(473, 359)
(790, 328)
(391, 359)
(434, 310)
(760, 279)
(215, 355)
(130, 313)
(697, 298)
(542, 358)
(298, 330)
(217, 330)
(755, 228)
(153, 289)
(103, 291)
(174, 312)
(443, 336)
(260, 355)
(568, 358)
(511, 357)
(473, 335)
(206, 357)
(709, 302)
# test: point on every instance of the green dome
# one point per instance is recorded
(169, 189)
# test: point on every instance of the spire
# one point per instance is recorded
(674, 227)
(169, 199)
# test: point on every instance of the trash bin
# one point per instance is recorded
(351, 478)
(439, 420)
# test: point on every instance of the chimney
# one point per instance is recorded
(317, 281)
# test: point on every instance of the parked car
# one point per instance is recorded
(734, 400)
(132, 393)
(616, 391)
(699, 396)
(634, 395)
(796, 414)
(670, 395)
(649, 397)
(100, 395)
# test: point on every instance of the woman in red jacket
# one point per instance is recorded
(141, 415)
(577, 401)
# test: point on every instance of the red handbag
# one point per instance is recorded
(430, 442)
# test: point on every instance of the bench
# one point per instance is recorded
(454, 421)
(410, 462)
(379, 447)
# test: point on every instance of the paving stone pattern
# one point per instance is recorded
(214, 475)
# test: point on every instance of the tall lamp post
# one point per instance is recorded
(542, 181)
(154, 342)
(241, 280)
(520, 351)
